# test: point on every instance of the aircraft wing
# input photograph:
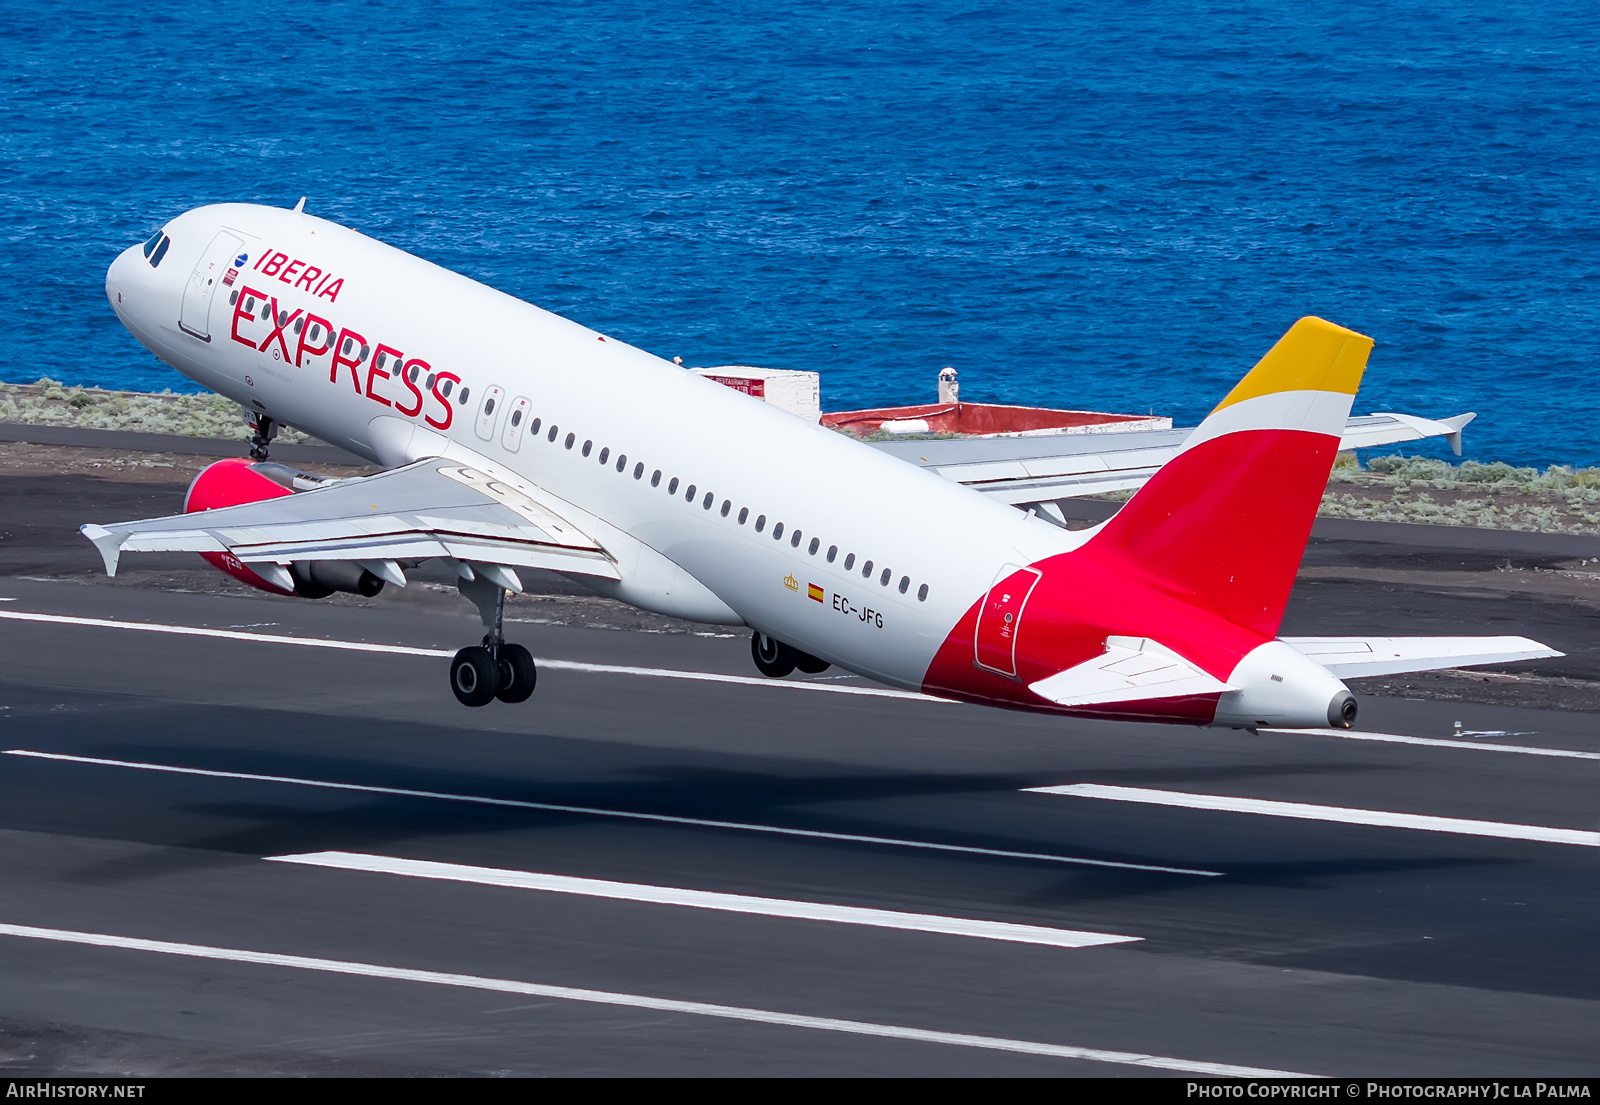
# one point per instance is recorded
(432, 508)
(1357, 657)
(1039, 469)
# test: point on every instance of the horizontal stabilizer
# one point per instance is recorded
(1132, 669)
(1357, 657)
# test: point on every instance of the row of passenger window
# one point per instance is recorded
(708, 500)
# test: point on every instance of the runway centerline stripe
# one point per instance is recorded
(1436, 742)
(642, 1001)
(630, 815)
(707, 899)
(407, 650)
(1307, 812)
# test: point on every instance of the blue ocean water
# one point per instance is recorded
(1115, 206)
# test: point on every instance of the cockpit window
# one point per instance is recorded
(160, 251)
(149, 247)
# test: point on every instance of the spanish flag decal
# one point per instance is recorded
(814, 591)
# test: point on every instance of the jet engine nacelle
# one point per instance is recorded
(236, 481)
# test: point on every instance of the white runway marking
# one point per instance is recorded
(641, 1001)
(406, 650)
(707, 677)
(1308, 812)
(592, 811)
(1435, 742)
(707, 899)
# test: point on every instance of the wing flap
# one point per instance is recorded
(1132, 669)
(433, 508)
(1357, 657)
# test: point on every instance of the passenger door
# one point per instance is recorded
(205, 284)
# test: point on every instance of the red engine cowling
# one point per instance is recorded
(237, 481)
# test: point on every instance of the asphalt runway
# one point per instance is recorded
(663, 864)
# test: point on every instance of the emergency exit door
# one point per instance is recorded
(995, 643)
(206, 284)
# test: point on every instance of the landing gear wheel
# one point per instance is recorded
(474, 676)
(809, 663)
(773, 658)
(518, 676)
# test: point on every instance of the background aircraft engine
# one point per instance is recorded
(236, 481)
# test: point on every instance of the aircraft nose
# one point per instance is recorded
(121, 276)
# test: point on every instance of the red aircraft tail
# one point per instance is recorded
(1224, 524)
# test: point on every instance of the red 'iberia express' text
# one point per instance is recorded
(313, 336)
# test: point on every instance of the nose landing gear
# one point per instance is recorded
(495, 669)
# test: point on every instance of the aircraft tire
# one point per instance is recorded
(474, 676)
(809, 663)
(773, 658)
(518, 676)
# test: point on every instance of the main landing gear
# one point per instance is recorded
(495, 669)
(262, 431)
(774, 659)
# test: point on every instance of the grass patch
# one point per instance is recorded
(49, 403)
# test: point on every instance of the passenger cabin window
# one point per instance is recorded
(638, 471)
(884, 579)
(587, 445)
(533, 427)
(833, 551)
(866, 570)
(849, 561)
(570, 439)
(744, 512)
(462, 399)
(726, 506)
(622, 462)
(655, 480)
(688, 495)
(794, 542)
(777, 532)
(905, 581)
(605, 454)
(815, 545)
(761, 523)
(554, 430)
(922, 593)
(672, 486)
(710, 498)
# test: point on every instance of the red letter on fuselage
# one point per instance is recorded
(332, 290)
(302, 347)
(373, 370)
(272, 267)
(246, 295)
(449, 411)
(279, 321)
(308, 278)
(293, 267)
(414, 366)
(356, 342)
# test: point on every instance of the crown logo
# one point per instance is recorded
(792, 583)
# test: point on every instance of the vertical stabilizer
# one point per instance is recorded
(1224, 524)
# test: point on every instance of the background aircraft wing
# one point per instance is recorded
(1355, 657)
(433, 508)
(1040, 469)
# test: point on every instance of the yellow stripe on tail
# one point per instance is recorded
(1315, 355)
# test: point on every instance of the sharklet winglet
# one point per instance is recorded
(108, 542)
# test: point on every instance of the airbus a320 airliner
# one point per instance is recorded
(513, 439)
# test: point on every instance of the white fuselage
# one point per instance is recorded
(677, 555)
